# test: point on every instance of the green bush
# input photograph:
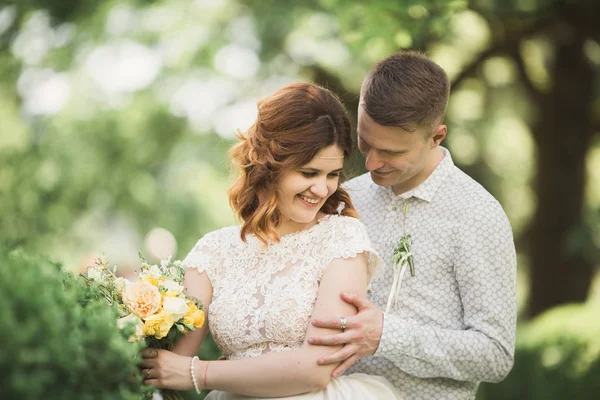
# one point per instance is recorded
(58, 339)
(557, 357)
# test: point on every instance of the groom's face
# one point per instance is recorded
(396, 157)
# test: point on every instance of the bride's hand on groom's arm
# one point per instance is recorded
(361, 336)
(166, 370)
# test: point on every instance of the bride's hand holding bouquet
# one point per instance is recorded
(154, 304)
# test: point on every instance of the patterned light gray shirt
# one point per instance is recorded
(453, 324)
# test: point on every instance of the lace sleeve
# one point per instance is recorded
(348, 239)
(200, 257)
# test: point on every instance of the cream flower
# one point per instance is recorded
(142, 298)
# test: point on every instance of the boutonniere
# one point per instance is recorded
(403, 253)
(401, 258)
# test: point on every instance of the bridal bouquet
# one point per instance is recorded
(154, 304)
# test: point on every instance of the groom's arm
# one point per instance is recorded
(482, 349)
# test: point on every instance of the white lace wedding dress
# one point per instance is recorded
(263, 297)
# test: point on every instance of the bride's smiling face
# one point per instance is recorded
(301, 192)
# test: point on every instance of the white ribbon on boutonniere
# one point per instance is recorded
(401, 258)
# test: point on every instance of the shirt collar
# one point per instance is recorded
(427, 189)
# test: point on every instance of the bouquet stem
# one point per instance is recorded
(167, 394)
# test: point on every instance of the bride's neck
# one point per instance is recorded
(288, 226)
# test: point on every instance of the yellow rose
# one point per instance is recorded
(142, 298)
(150, 279)
(194, 316)
(158, 325)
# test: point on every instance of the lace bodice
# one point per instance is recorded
(263, 297)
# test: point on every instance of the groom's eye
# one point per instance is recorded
(393, 153)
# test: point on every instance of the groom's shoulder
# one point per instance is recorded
(361, 183)
(475, 198)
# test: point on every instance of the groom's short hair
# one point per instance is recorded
(404, 90)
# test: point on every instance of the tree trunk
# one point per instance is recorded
(563, 133)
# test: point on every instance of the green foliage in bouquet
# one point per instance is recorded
(557, 357)
(58, 342)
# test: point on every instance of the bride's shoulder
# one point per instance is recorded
(223, 236)
(345, 222)
(228, 231)
(345, 238)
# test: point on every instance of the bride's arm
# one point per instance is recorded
(282, 373)
(196, 285)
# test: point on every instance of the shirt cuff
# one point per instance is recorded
(394, 338)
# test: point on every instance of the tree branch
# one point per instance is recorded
(470, 69)
(506, 39)
(324, 78)
(515, 53)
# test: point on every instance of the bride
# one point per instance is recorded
(299, 246)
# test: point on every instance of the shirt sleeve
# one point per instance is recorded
(483, 350)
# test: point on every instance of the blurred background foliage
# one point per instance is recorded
(116, 118)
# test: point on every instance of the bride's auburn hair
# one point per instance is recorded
(292, 126)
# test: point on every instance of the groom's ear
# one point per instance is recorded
(439, 134)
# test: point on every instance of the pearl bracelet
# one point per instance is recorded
(193, 375)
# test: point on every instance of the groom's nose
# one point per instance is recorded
(372, 162)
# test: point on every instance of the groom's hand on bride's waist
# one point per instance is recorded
(360, 337)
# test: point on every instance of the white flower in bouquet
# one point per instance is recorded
(120, 284)
(165, 263)
(155, 271)
(172, 286)
(95, 274)
(175, 306)
(132, 319)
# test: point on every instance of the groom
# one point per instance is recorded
(442, 319)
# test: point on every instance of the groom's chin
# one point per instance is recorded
(381, 180)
